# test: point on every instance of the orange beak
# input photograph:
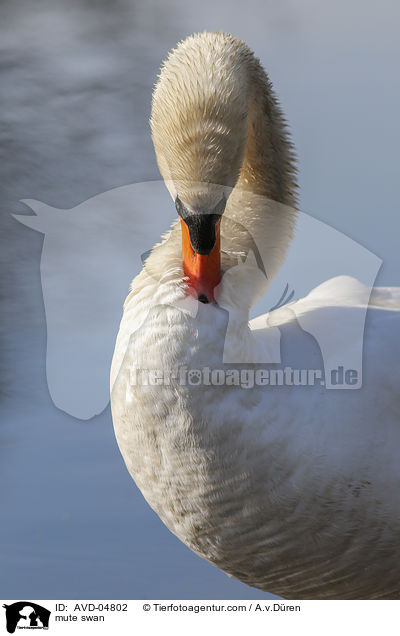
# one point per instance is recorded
(202, 270)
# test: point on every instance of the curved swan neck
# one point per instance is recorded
(268, 167)
(218, 131)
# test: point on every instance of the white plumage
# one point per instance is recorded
(293, 489)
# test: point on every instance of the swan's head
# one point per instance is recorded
(203, 116)
(199, 117)
(199, 129)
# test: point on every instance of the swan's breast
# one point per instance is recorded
(268, 485)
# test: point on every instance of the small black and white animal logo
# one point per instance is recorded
(25, 614)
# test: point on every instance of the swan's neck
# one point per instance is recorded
(218, 130)
(261, 212)
(268, 167)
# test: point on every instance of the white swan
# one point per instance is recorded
(294, 490)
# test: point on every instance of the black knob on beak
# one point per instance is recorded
(201, 225)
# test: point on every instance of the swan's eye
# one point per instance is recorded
(178, 206)
(220, 207)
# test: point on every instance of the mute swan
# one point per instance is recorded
(293, 490)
